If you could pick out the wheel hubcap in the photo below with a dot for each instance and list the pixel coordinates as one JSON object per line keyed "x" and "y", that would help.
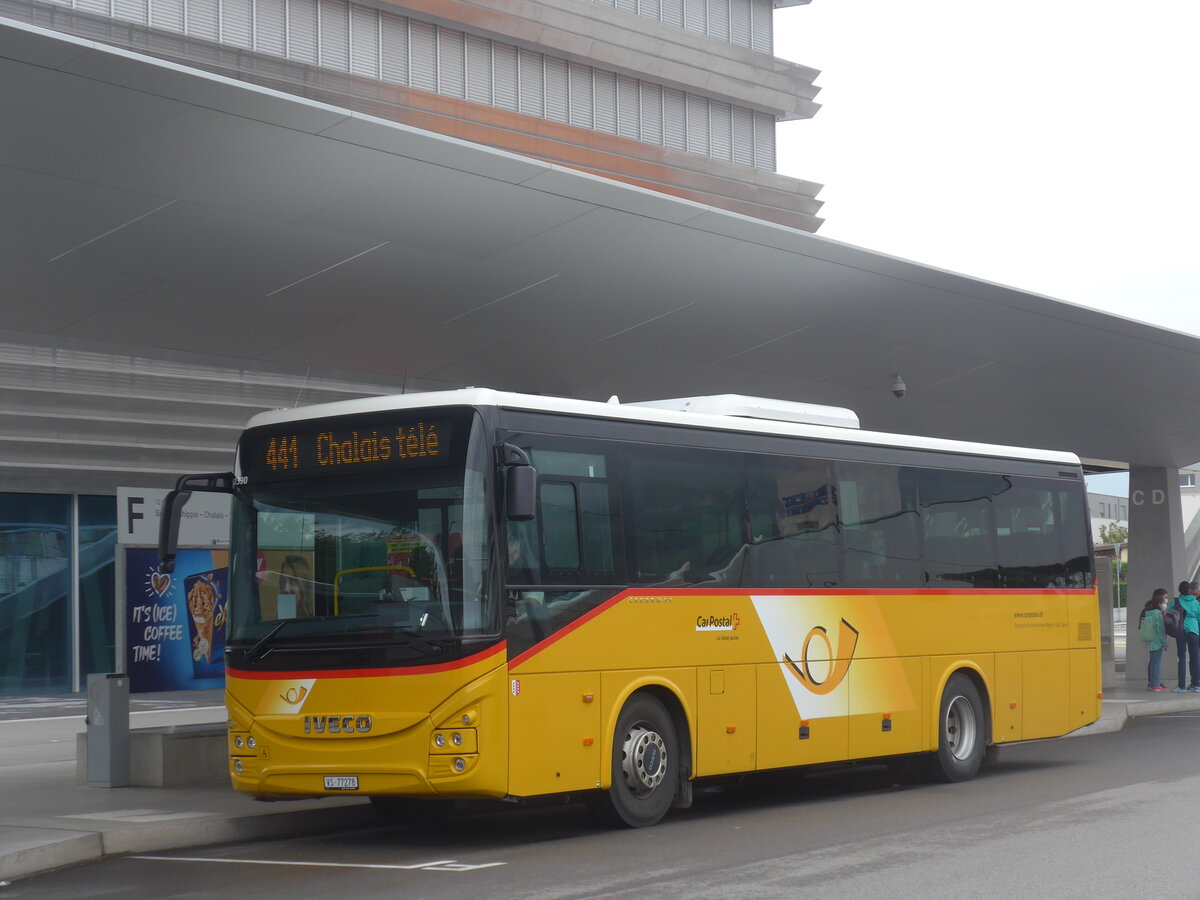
{"x": 961, "y": 728}
{"x": 643, "y": 759}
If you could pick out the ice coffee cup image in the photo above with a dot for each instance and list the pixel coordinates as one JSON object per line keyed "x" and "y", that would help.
{"x": 206, "y": 615}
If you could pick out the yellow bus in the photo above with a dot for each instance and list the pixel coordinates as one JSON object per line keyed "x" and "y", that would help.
{"x": 476, "y": 594}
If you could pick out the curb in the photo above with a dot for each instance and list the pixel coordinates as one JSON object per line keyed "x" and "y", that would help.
{"x": 1117, "y": 713}
{"x": 1162, "y": 706}
{"x": 1108, "y": 723}
{"x": 44, "y": 849}
{"x": 48, "y": 849}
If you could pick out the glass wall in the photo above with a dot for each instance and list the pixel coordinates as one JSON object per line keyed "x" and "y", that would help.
{"x": 42, "y": 600}
{"x": 35, "y": 593}
{"x": 97, "y": 584}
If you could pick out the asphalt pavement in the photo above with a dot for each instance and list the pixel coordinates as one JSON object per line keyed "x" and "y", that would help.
{"x": 49, "y": 820}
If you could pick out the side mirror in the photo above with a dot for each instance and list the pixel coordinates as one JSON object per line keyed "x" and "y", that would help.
{"x": 519, "y": 492}
{"x": 520, "y": 486}
{"x": 168, "y": 528}
{"x": 172, "y": 508}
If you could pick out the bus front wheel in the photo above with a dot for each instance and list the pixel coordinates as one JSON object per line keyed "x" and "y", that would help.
{"x": 962, "y": 731}
{"x": 645, "y": 765}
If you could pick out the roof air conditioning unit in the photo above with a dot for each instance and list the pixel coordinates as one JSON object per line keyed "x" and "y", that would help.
{"x": 759, "y": 408}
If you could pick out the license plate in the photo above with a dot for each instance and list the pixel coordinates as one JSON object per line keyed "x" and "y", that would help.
{"x": 341, "y": 782}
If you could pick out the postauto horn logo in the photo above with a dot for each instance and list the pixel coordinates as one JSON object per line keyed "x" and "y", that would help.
{"x": 718, "y": 623}
{"x": 839, "y": 661}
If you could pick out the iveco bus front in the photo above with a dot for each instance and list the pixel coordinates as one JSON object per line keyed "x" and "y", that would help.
{"x": 364, "y": 651}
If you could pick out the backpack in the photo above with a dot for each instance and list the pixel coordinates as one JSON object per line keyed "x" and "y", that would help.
{"x": 1146, "y": 629}
{"x": 1173, "y": 620}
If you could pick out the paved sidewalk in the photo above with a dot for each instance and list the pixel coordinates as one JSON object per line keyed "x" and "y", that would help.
{"x": 48, "y": 820}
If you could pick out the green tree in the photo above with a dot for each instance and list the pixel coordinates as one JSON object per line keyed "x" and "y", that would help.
{"x": 1114, "y": 534}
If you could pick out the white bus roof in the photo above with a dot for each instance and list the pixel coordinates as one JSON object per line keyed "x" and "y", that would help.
{"x": 752, "y": 418}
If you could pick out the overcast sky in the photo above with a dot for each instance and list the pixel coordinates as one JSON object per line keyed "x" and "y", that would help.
{"x": 1049, "y": 145}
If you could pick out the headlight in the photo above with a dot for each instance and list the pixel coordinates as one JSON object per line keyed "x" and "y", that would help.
{"x": 251, "y": 743}
{"x": 439, "y": 740}
{"x": 460, "y": 764}
{"x": 237, "y": 766}
{"x": 237, "y": 742}
{"x": 456, "y": 739}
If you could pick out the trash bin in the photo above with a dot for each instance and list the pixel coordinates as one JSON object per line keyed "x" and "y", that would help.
{"x": 107, "y": 730}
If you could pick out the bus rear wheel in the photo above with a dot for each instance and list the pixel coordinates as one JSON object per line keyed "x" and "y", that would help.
{"x": 962, "y": 731}
{"x": 645, "y": 765}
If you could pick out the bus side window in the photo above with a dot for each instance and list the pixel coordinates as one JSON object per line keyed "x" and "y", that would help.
{"x": 574, "y": 538}
{"x": 1074, "y": 535}
{"x": 793, "y": 524}
{"x": 686, "y": 511}
{"x": 559, "y": 508}
{"x": 879, "y": 522}
{"x": 957, "y": 526}
{"x": 1027, "y": 540}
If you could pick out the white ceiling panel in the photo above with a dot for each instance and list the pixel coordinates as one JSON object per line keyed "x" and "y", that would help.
{"x": 598, "y": 191}
{"x": 406, "y": 344}
{"x": 235, "y": 163}
{"x": 219, "y": 248}
{"x": 812, "y": 353}
{"x": 425, "y": 284}
{"x": 476, "y": 216}
{"x": 54, "y": 121}
{"x": 46, "y": 298}
{"x": 207, "y": 320}
{"x": 923, "y": 369}
{"x": 172, "y": 211}
{"x": 60, "y": 213}
{"x": 411, "y": 143}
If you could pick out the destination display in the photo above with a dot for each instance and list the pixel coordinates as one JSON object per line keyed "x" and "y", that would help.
{"x": 325, "y": 448}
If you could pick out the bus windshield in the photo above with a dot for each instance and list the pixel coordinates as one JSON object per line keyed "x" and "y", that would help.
{"x": 380, "y": 558}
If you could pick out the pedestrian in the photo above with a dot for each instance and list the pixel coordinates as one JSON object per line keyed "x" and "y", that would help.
{"x": 1152, "y": 630}
{"x": 1188, "y": 643}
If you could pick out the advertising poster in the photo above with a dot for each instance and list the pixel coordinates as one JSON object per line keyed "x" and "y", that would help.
{"x": 176, "y": 623}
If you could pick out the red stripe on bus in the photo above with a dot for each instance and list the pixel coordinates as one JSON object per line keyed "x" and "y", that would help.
{"x": 878, "y": 592}
{"x": 547, "y": 642}
{"x": 500, "y": 648}
{"x": 567, "y": 629}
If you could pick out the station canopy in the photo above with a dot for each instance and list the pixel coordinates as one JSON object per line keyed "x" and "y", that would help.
{"x": 159, "y": 208}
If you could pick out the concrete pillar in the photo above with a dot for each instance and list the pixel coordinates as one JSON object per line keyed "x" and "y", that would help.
{"x": 1156, "y": 558}
{"x": 1104, "y": 588}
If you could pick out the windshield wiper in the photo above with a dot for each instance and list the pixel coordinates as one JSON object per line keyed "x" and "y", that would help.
{"x": 415, "y": 636}
{"x": 412, "y": 634}
{"x": 260, "y": 646}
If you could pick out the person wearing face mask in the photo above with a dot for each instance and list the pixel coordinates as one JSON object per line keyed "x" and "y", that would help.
{"x": 1189, "y": 641}
{"x": 1151, "y": 629}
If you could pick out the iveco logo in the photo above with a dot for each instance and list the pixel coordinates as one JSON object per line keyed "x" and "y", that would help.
{"x": 337, "y": 724}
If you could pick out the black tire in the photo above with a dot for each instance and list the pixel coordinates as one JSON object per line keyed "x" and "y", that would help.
{"x": 963, "y": 732}
{"x": 645, "y": 765}
{"x": 414, "y": 813}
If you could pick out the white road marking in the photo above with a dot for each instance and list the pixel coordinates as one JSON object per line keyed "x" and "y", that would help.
{"x": 440, "y": 865}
